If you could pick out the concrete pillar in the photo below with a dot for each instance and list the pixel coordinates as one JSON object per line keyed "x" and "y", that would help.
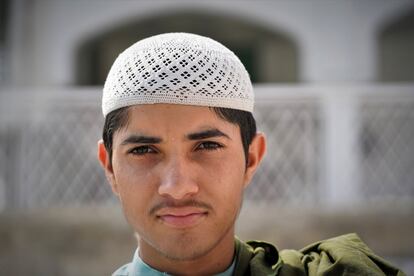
{"x": 341, "y": 145}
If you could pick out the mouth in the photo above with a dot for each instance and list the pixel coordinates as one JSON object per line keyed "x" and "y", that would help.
{"x": 181, "y": 217}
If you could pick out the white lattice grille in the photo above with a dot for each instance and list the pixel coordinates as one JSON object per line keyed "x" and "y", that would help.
{"x": 3, "y": 168}
{"x": 48, "y": 151}
{"x": 289, "y": 172}
{"x": 10, "y": 138}
{"x": 387, "y": 147}
{"x": 59, "y": 165}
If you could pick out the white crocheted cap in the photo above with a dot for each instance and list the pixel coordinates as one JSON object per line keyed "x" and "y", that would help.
{"x": 178, "y": 68}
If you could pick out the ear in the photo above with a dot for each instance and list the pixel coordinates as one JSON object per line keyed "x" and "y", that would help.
{"x": 103, "y": 157}
{"x": 257, "y": 150}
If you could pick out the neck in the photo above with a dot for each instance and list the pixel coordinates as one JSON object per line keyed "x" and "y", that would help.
{"x": 214, "y": 261}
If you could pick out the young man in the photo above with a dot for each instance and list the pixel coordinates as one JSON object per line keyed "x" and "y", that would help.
{"x": 179, "y": 148}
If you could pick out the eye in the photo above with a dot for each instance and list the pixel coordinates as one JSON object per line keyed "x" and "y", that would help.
{"x": 208, "y": 145}
{"x": 141, "y": 150}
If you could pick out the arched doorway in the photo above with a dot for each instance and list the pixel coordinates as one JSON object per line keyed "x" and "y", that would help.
{"x": 396, "y": 49}
{"x": 269, "y": 56}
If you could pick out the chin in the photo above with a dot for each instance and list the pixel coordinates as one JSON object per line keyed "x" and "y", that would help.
{"x": 186, "y": 248}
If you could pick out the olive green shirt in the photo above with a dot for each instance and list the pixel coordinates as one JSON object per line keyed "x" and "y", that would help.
{"x": 343, "y": 255}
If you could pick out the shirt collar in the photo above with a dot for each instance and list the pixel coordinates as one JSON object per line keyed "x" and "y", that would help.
{"x": 139, "y": 267}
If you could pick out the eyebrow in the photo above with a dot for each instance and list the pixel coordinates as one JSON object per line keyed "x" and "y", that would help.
{"x": 209, "y": 133}
{"x": 141, "y": 139}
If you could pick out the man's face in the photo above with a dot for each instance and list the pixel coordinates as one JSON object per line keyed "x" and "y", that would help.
{"x": 180, "y": 173}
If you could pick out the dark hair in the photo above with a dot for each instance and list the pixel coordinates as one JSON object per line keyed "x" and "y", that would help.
{"x": 244, "y": 119}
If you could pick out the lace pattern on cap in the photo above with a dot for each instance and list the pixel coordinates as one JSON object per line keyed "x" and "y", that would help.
{"x": 178, "y": 68}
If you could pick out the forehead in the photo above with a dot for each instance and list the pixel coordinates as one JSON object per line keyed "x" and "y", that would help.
{"x": 174, "y": 117}
{"x": 156, "y": 112}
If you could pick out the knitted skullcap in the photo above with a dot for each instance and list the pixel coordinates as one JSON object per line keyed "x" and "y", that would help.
{"x": 178, "y": 68}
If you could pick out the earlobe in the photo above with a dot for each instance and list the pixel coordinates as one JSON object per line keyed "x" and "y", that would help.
{"x": 257, "y": 150}
{"x": 103, "y": 157}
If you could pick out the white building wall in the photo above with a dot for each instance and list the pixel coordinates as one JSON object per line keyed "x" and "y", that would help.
{"x": 336, "y": 39}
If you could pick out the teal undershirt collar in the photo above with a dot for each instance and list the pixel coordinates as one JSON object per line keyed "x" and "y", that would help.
{"x": 138, "y": 267}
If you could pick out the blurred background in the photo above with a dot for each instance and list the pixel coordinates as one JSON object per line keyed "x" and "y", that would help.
{"x": 334, "y": 84}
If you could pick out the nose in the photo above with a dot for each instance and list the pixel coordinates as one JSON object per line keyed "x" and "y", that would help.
{"x": 177, "y": 181}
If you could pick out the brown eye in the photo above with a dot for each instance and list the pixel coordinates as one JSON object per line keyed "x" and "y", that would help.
{"x": 208, "y": 145}
{"x": 141, "y": 150}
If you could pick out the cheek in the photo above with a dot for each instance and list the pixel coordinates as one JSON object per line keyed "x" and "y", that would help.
{"x": 136, "y": 191}
{"x": 136, "y": 183}
{"x": 130, "y": 170}
{"x": 224, "y": 175}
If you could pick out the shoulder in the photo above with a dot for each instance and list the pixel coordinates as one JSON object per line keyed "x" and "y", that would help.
{"x": 342, "y": 255}
{"x": 256, "y": 258}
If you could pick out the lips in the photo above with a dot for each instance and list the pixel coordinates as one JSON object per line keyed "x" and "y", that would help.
{"x": 183, "y": 217}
